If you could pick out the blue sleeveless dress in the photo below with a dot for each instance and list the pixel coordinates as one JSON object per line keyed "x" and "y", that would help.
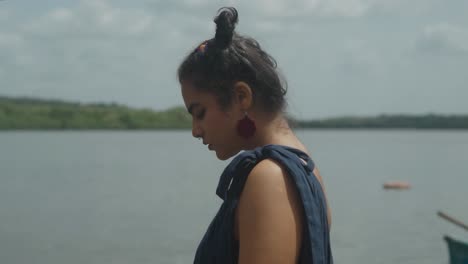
{"x": 219, "y": 245}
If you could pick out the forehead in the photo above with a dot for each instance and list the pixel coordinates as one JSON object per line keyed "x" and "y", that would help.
{"x": 193, "y": 95}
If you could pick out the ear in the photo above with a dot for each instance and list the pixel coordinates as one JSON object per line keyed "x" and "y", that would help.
{"x": 243, "y": 95}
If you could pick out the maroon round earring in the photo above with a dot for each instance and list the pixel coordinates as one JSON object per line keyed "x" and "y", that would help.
{"x": 246, "y": 127}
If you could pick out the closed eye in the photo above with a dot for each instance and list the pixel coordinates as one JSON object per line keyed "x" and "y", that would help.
{"x": 200, "y": 114}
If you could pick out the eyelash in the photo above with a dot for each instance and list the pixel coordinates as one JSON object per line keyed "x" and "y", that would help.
{"x": 201, "y": 114}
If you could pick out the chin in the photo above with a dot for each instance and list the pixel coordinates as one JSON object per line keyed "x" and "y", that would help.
{"x": 221, "y": 156}
{"x": 225, "y": 155}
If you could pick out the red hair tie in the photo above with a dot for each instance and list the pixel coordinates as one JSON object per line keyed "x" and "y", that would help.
{"x": 202, "y": 47}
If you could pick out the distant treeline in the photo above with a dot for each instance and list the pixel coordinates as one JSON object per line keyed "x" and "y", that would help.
{"x": 39, "y": 114}
{"x": 429, "y": 121}
{"x": 31, "y": 113}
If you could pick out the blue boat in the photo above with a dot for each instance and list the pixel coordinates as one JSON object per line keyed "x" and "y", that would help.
{"x": 458, "y": 251}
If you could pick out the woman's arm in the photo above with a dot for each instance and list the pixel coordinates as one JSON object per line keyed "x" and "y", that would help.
{"x": 269, "y": 217}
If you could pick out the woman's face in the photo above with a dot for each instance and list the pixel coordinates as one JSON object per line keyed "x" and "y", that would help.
{"x": 217, "y": 128}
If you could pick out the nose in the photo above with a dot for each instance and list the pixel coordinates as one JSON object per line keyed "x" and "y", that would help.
{"x": 196, "y": 131}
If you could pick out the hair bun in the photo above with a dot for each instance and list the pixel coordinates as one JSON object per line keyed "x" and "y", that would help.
{"x": 226, "y": 21}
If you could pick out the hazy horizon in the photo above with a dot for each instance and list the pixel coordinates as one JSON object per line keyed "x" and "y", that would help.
{"x": 181, "y": 105}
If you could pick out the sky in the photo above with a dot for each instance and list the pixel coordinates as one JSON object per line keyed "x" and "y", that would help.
{"x": 339, "y": 57}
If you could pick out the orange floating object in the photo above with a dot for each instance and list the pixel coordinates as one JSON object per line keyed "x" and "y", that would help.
{"x": 400, "y": 185}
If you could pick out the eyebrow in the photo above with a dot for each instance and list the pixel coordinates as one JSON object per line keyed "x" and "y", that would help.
{"x": 192, "y": 106}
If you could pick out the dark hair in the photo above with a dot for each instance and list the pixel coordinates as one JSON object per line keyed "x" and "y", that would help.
{"x": 218, "y": 63}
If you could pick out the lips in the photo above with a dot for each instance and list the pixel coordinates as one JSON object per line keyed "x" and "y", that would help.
{"x": 210, "y": 147}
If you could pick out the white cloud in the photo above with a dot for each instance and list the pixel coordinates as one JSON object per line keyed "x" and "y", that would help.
{"x": 61, "y": 14}
{"x": 443, "y": 38}
{"x": 195, "y": 3}
{"x": 10, "y": 40}
{"x": 3, "y": 14}
{"x": 271, "y": 26}
{"x": 280, "y": 8}
{"x": 293, "y": 8}
{"x": 346, "y": 8}
{"x": 91, "y": 17}
{"x": 91, "y": 50}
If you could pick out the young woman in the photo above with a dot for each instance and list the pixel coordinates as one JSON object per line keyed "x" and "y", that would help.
{"x": 274, "y": 208}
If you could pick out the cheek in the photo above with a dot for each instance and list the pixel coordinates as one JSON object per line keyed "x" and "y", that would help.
{"x": 229, "y": 126}
{"x": 222, "y": 130}
{"x": 220, "y": 121}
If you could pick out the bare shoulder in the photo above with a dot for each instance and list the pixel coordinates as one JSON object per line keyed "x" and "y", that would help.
{"x": 269, "y": 187}
{"x": 269, "y": 216}
{"x": 267, "y": 172}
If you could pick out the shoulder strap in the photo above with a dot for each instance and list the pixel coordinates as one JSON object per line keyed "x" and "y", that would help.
{"x": 240, "y": 167}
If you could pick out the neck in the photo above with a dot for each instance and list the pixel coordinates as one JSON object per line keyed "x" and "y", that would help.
{"x": 274, "y": 130}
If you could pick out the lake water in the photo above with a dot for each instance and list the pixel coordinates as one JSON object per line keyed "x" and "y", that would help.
{"x": 147, "y": 197}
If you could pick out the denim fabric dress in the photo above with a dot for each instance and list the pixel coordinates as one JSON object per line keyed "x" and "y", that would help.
{"x": 219, "y": 245}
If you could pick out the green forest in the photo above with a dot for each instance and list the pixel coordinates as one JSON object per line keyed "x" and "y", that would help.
{"x": 428, "y": 121}
{"x": 31, "y": 113}
{"x": 40, "y": 114}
